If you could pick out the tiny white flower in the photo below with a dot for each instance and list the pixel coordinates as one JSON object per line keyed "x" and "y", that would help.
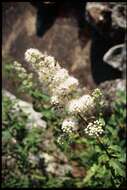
{"x": 68, "y": 86}
{"x": 31, "y": 55}
{"x": 54, "y": 100}
{"x": 49, "y": 59}
{"x": 60, "y": 76}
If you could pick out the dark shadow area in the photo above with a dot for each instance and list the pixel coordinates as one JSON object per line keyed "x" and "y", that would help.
{"x": 102, "y": 71}
{"x": 48, "y": 12}
{"x": 103, "y": 39}
{"x": 46, "y": 15}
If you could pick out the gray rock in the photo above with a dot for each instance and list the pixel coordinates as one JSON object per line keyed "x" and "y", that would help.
{"x": 53, "y": 166}
{"x": 34, "y": 118}
{"x": 95, "y": 10}
{"x": 110, "y": 89}
{"x": 116, "y": 57}
{"x": 119, "y": 15}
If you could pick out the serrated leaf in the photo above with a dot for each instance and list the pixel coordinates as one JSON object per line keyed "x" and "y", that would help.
{"x": 101, "y": 171}
{"x": 122, "y": 157}
{"x": 118, "y": 167}
{"x": 116, "y": 148}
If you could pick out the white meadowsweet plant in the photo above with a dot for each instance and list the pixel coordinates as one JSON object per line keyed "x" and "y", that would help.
{"x": 63, "y": 90}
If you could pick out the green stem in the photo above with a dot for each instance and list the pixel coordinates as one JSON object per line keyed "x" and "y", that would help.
{"x": 84, "y": 121}
{"x": 110, "y": 156}
{"x": 101, "y": 143}
{"x": 104, "y": 148}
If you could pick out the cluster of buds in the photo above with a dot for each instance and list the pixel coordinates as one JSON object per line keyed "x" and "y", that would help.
{"x": 63, "y": 89}
{"x": 97, "y": 97}
{"x": 23, "y": 75}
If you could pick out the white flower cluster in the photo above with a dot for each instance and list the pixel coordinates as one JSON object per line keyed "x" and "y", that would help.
{"x": 55, "y": 100}
{"x": 81, "y": 105}
{"x": 18, "y": 67}
{"x": 70, "y": 125}
{"x": 60, "y": 76}
{"x": 63, "y": 89}
{"x": 57, "y": 80}
{"x": 94, "y": 128}
{"x": 23, "y": 75}
{"x": 32, "y": 55}
{"x": 44, "y": 65}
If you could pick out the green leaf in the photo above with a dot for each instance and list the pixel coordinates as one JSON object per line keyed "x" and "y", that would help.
{"x": 102, "y": 121}
{"x": 48, "y": 114}
{"x": 122, "y": 157}
{"x": 118, "y": 167}
{"x": 6, "y": 136}
{"x": 101, "y": 171}
{"x": 115, "y": 148}
{"x": 39, "y": 95}
{"x": 91, "y": 172}
{"x": 103, "y": 158}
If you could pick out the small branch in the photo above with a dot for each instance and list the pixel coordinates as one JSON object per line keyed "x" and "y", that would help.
{"x": 110, "y": 156}
{"x": 84, "y": 121}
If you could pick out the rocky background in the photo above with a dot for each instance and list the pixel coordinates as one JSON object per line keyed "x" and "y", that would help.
{"x": 77, "y": 34}
{"x": 62, "y": 39}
